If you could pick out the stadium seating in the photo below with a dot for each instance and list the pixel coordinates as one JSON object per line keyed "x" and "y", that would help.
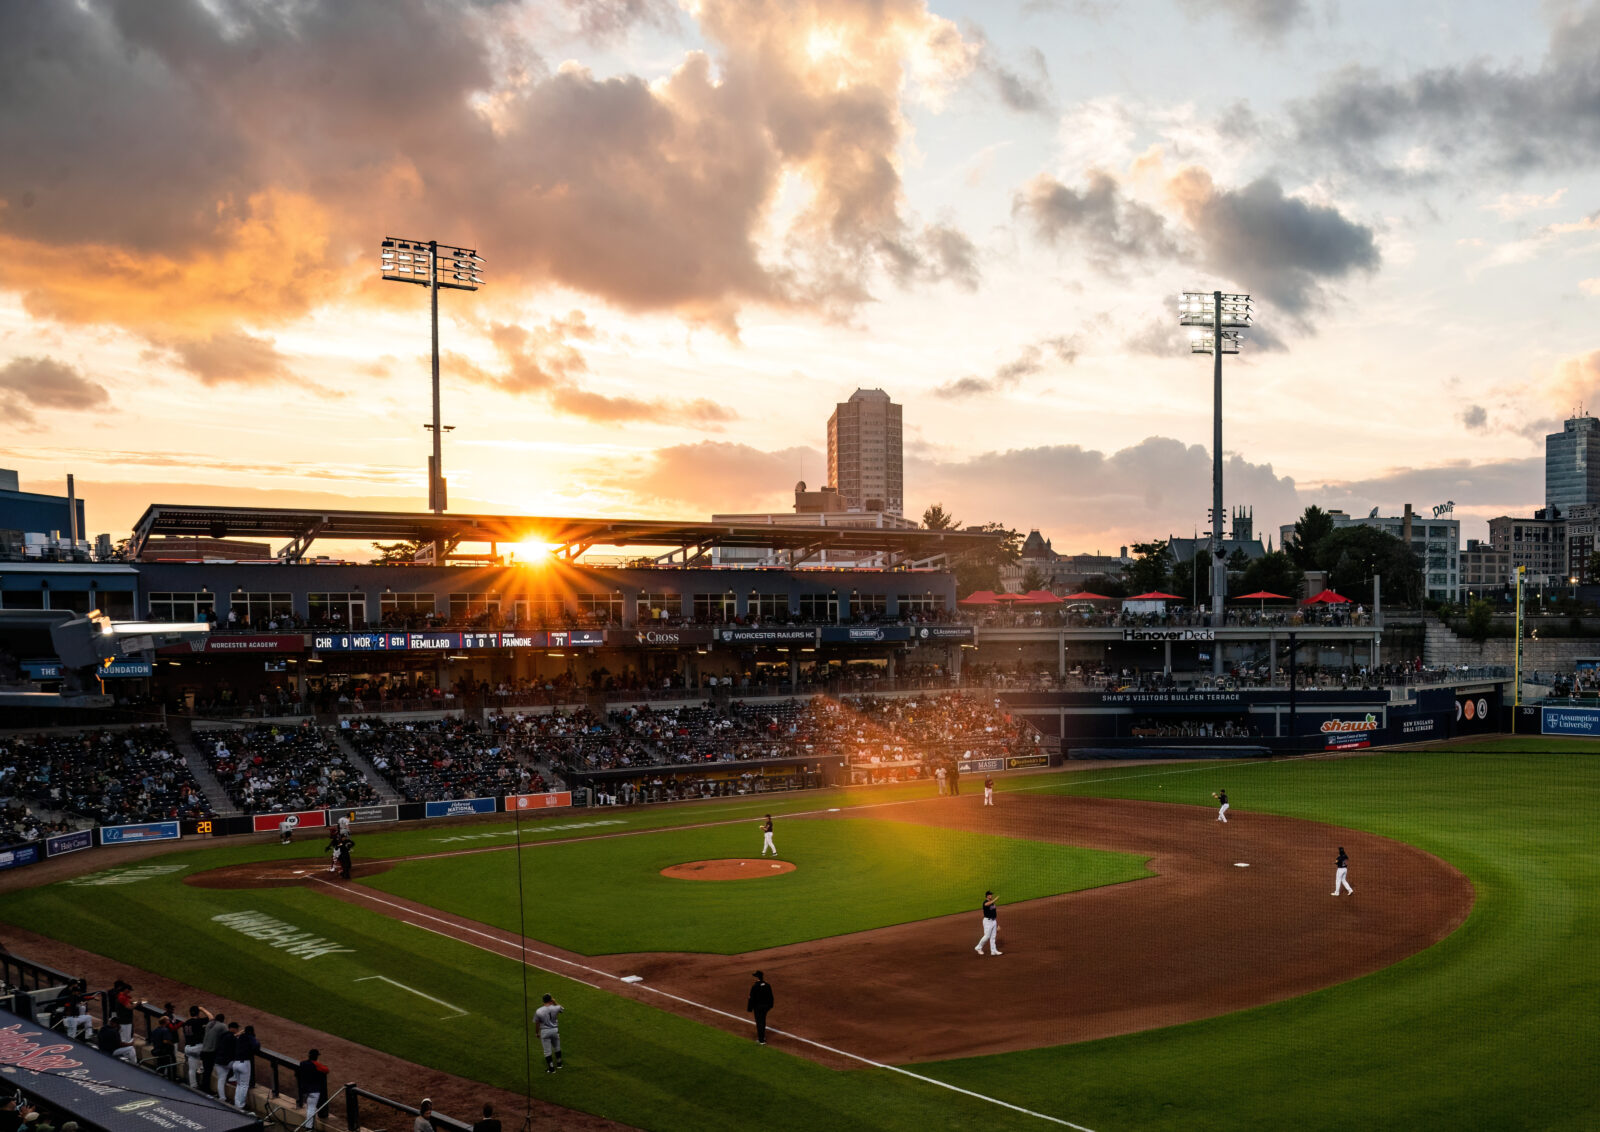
{"x": 439, "y": 759}
{"x": 275, "y": 767}
{"x": 114, "y": 777}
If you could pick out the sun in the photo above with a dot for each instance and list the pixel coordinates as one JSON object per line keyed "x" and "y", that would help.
{"x": 531, "y": 551}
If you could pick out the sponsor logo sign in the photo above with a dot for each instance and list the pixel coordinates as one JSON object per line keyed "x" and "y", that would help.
{"x": 576, "y": 638}
{"x": 657, "y": 638}
{"x": 1348, "y": 742}
{"x": 276, "y": 933}
{"x": 1169, "y": 634}
{"x": 360, "y": 814}
{"x": 943, "y": 633}
{"x": 271, "y": 823}
{"x": 1470, "y": 709}
{"x": 538, "y": 801}
{"x": 16, "y": 1049}
{"x": 784, "y": 635}
{"x": 1417, "y": 726}
{"x": 1339, "y": 726}
{"x": 1569, "y": 721}
{"x": 111, "y": 877}
{"x": 139, "y": 831}
{"x": 866, "y": 634}
{"x": 544, "y": 827}
{"x": 979, "y": 766}
{"x": 68, "y": 842}
{"x": 243, "y": 642}
{"x": 51, "y": 669}
{"x": 461, "y": 807}
{"x": 21, "y": 855}
{"x": 1017, "y": 761}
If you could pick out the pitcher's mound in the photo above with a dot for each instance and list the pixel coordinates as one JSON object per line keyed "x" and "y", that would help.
{"x": 734, "y": 868}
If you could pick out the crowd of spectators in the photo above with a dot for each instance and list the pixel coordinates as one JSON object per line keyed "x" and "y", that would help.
{"x": 113, "y": 777}
{"x": 273, "y": 767}
{"x": 439, "y": 759}
{"x": 19, "y": 825}
{"x": 568, "y": 741}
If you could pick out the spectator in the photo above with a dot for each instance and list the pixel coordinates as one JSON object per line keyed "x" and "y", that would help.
{"x": 311, "y": 1080}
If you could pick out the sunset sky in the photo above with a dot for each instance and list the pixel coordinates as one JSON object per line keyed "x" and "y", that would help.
{"x": 705, "y": 223}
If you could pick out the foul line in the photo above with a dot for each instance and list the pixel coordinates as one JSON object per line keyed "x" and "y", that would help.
{"x": 413, "y": 990}
{"x": 686, "y": 1001}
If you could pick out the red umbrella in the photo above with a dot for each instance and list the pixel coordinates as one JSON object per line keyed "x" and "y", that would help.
{"x": 1085, "y": 595}
{"x": 1327, "y": 597}
{"x": 980, "y": 597}
{"x": 1263, "y": 595}
{"x": 1041, "y": 597}
{"x": 1009, "y": 597}
{"x": 1154, "y": 595}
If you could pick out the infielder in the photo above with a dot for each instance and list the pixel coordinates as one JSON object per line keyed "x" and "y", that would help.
{"x": 549, "y": 1033}
{"x": 988, "y": 790}
{"x": 991, "y": 926}
{"x": 1222, "y": 814}
{"x": 1341, "y": 873}
{"x": 766, "y": 837}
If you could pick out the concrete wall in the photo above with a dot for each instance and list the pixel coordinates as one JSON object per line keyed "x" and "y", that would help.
{"x": 1555, "y": 654}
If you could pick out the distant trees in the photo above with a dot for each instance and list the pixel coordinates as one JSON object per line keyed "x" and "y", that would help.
{"x": 1151, "y": 569}
{"x": 1273, "y": 573}
{"x": 936, "y": 518}
{"x": 1032, "y": 579}
{"x": 981, "y": 571}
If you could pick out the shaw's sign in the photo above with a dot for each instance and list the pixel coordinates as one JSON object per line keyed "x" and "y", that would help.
{"x": 1331, "y": 726}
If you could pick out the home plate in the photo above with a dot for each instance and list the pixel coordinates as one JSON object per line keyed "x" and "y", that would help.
{"x": 633, "y": 978}
{"x": 1241, "y": 864}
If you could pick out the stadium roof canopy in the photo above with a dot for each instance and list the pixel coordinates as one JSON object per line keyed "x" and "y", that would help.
{"x": 686, "y": 542}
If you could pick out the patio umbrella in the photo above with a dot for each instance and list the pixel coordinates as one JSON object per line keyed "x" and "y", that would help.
{"x": 1009, "y": 597}
{"x": 1041, "y": 597}
{"x": 1263, "y": 596}
{"x": 1085, "y": 595}
{"x": 1155, "y": 595}
{"x": 980, "y": 597}
{"x": 1327, "y": 597}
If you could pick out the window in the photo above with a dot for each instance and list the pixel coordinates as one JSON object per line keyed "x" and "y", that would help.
{"x": 714, "y": 607}
{"x": 75, "y": 600}
{"x": 537, "y": 609}
{"x": 258, "y": 607}
{"x": 403, "y": 607}
{"x": 864, "y": 605}
{"x": 24, "y": 599}
{"x": 176, "y": 606}
{"x": 602, "y": 608}
{"x": 659, "y": 607}
{"x": 469, "y": 607}
{"x": 349, "y": 610}
{"x": 920, "y": 603}
{"x": 818, "y": 607}
{"x": 769, "y": 607}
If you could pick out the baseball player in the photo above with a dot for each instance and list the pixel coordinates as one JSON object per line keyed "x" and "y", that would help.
{"x": 991, "y": 926}
{"x": 1222, "y": 797}
{"x": 988, "y": 790}
{"x": 1341, "y": 873}
{"x": 766, "y": 837}
{"x": 549, "y": 1033}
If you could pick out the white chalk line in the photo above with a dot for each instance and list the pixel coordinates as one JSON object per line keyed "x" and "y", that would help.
{"x": 686, "y": 1001}
{"x": 415, "y": 991}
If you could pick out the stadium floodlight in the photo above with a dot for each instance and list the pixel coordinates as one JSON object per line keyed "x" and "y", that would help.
{"x": 431, "y": 264}
{"x": 1219, "y": 320}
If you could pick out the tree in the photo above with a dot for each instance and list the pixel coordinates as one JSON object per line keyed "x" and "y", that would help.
{"x": 1592, "y": 568}
{"x": 1150, "y": 570}
{"x": 404, "y": 551}
{"x": 1480, "y": 615}
{"x": 1309, "y": 531}
{"x": 1273, "y": 573}
{"x": 1032, "y": 579}
{"x": 1352, "y": 555}
{"x": 1238, "y": 561}
{"x": 980, "y": 570}
{"x": 936, "y": 518}
{"x": 1192, "y": 579}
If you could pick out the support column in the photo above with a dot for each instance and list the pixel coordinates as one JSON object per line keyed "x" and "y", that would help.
{"x": 1061, "y": 651}
{"x": 1166, "y": 660}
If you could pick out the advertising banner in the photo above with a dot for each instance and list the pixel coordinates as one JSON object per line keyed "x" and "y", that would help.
{"x": 51, "y": 669}
{"x": 774, "y": 635}
{"x": 299, "y": 819}
{"x": 576, "y": 638}
{"x": 141, "y": 831}
{"x": 19, "y": 856}
{"x": 68, "y": 842}
{"x": 1169, "y": 634}
{"x": 980, "y": 766}
{"x": 1016, "y": 762}
{"x": 865, "y": 634}
{"x": 538, "y": 801}
{"x": 242, "y": 642}
{"x": 1476, "y": 714}
{"x": 646, "y": 637}
{"x": 460, "y": 807}
{"x": 943, "y": 633}
{"x": 1569, "y": 721}
{"x": 359, "y": 815}
{"x": 1414, "y": 728}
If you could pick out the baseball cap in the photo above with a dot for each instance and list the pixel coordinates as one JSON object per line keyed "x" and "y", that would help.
{"x": 759, "y": 975}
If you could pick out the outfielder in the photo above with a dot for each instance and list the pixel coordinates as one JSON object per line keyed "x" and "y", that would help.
{"x": 766, "y": 837}
{"x": 549, "y": 1033}
{"x": 988, "y": 790}
{"x": 1222, "y": 814}
{"x": 991, "y": 926}
{"x": 1341, "y": 873}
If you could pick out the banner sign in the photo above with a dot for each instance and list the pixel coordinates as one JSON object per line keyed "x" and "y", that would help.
{"x": 576, "y": 638}
{"x": 865, "y": 634}
{"x": 68, "y": 842}
{"x": 656, "y": 638}
{"x": 460, "y": 807}
{"x": 1169, "y": 634}
{"x": 776, "y": 635}
{"x": 1569, "y": 721}
{"x": 538, "y": 801}
{"x": 242, "y": 642}
{"x": 140, "y": 831}
{"x": 1016, "y": 762}
{"x": 1172, "y": 699}
{"x": 1475, "y": 714}
{"x": 19, "y": 856}
{"x": 943, "y": 633}
{"x": 299, "y": 819}
{"x": 359, "y": 815}
{"x": 428, "y": 642}
{"x": 1348, "y": 742}
{"x": 1346, "y": 726}
{"x": 979, "y": 766}
{"x": 51, "y": 669}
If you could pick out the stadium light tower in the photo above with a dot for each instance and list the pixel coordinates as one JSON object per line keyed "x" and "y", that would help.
{"x": 433, "y": 265}
{"x": 1220, "y": 321}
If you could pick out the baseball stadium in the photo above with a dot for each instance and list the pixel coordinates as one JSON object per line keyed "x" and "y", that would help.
{"x": 561, "y": 784}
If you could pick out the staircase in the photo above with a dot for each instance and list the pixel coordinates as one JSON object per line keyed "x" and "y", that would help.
{"x": 183, "y": 736}
{"x": 387, "y": 794}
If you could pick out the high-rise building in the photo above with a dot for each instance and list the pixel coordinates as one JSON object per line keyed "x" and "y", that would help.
{"x": 865, "y": 461}
{"x": 1572, "y": 464}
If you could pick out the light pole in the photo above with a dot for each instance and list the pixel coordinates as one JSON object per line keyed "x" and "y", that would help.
{"x": 418, "y": 261}
{"x": 1224, "y": 318}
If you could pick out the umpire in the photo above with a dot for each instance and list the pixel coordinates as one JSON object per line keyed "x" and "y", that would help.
{"x": 760, "y": 1002}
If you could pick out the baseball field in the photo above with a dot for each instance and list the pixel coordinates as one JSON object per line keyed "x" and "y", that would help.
{"x": 1160, "y": 969}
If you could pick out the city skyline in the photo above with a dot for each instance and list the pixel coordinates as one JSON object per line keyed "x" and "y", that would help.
{"x": 706, "y": 225}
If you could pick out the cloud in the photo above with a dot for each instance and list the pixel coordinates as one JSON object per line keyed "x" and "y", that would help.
{"x": 1450, "y": 120}
{"x": 28, "y": 383}
{"x": 1026, "y": 94}
{"x": 1475, "y": 418}
{"x": 1590, "y": 286}
{"x": 606, "y": 21}
{"x": 231, "y": 356}
{"x": 193, "y": 165}
{"x": 1267, "y": 20}
{"x": 717, "y": 476}
{"x": 1487, "y": 488}
{"x": 1030, "y": 360}
{"x": 1111, "y": 225}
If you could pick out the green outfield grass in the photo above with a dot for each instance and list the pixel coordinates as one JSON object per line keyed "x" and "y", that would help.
{"x": 607, "y": 895}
